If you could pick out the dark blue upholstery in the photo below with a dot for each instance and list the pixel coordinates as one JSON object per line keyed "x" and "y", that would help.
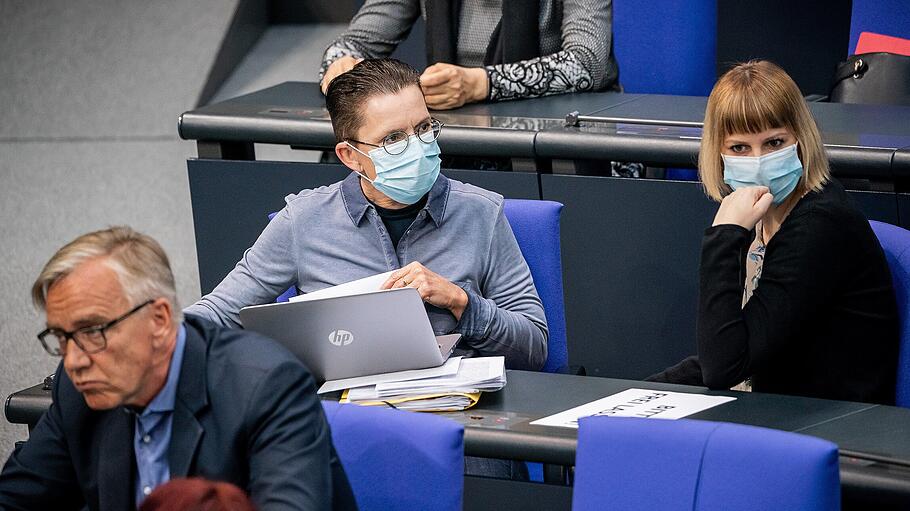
{"x": 888, "y": 17}
{"x": 536, "y": 227}
{"x": 896, "y": 244}
{"x": 681, "y": 174}
{"x": 666, "y": 46}
{"x": 399, "y": 460}
{"x": 647, "y": 464}
{"x": 287, "y": 295}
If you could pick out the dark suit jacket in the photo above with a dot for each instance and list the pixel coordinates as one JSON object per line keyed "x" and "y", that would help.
{"x": 246, "y": 412}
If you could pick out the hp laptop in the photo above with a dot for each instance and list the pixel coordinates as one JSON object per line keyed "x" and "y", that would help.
{"x": 355, "y": 335}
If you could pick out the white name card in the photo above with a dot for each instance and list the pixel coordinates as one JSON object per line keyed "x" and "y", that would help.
{"x": 652, "y": 404}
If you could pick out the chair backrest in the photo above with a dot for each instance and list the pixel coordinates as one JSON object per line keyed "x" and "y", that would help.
{"x": 398, "y": 460}
{"x": 896, "y": 245}
{"x": 536, "y": 227}
{"x": 888, "y": 17}
{"x": 666, "y": 46}
{"x": 646, "y": 464}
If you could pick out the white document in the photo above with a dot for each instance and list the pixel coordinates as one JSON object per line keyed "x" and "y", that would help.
{"x": 355, "y": 287}
{"x": 449, "y": 368}
{"x": 656, "y": 404}
{"x": 474, "y": 375}
{"x": 481, "y": 374}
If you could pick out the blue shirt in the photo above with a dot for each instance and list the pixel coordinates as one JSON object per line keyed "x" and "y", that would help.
{"x": 152, "y": 436}
{"x": 333, "y": 234}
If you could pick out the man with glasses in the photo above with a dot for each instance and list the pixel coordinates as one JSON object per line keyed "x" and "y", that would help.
{"x": 395, "y": 211}
{"x": 143, "y": 395}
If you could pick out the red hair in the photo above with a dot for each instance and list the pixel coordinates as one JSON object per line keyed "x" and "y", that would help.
{"x": 197, "y": 494}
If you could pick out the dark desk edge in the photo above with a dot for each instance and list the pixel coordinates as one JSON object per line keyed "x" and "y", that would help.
{"x": 204, "y": 127}
{"x": 868, "y": 477}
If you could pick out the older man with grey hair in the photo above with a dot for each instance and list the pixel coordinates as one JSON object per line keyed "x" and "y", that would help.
{"x": 143, "y": 395}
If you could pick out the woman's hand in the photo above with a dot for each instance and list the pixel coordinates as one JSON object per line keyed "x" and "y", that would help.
{"x": 446, "y": 86}
{"x": 744, "y": 207}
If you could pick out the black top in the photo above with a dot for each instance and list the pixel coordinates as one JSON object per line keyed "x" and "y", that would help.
{"x": 397, "y": 221}
{"x": 823, "y": 320}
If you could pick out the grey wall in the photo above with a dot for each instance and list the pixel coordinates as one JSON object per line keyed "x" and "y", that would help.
{"x": 90, "y": 91}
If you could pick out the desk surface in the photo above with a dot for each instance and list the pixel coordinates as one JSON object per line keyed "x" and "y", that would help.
{"x": 303, "y": 101}
{"x": 859, "y": 428}
{"x": 861, "y": 139}
{"x": 874, "y": 440}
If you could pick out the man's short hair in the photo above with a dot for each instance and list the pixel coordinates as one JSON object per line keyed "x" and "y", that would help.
{"x": 138, "y": 260}
{"x": 348, "y": 91}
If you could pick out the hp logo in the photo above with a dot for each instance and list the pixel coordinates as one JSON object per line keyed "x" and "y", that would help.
{"x": 341, "y": 337}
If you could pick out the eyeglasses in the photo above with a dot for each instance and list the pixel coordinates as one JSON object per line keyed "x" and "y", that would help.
{"x": 90, "y": 339}
{"x": 396, "y": 142}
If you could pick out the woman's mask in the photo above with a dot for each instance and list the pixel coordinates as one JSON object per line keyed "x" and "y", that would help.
{"x": 780, "y": 171}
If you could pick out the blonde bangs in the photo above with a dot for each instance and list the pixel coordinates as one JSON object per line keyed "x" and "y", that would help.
{"x": 750, "y": 111}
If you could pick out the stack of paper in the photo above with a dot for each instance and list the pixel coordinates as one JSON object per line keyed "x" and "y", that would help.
{"x": 451, "y": 402}
{"x": 448, "y": 392}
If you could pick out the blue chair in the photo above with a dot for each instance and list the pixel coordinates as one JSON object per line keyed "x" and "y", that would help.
{"x": 896, "y": 245}
{"x": 666, "y": 46}
{"x": 287, "y": 295}
{"x": 536, "y": 227}
{"x": 888, "y": 17}
{"x": 647, "y": 464}
{"x": 398, "y": 460}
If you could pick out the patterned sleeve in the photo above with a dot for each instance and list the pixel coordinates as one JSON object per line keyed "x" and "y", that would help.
{"x": 583, "y": 63}
{"x": 376, "y": 30}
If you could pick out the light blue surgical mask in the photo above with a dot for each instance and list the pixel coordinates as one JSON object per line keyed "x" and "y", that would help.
{"x": 779, "y": 171}
{"x": 408, "y": 176}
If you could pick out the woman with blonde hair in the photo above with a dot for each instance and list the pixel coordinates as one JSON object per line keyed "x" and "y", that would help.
{"x": 795, "y": 295}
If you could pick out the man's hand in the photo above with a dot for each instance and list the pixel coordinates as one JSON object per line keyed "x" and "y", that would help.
{"x": 744, "y": 207}
{"x": 446, "y": 86}
{"x": 341, "y": 65}
{"x": 432, "y": 288}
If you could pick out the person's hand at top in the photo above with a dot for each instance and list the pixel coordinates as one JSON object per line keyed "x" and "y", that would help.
{"x": 744, "y": 207}
{"x": 447, "y": 86}
{"x": 341, "y": 65}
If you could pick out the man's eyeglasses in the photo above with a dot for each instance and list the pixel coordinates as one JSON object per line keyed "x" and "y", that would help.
{"x": 396, "y": 142}
{"x": 90, "y": 339}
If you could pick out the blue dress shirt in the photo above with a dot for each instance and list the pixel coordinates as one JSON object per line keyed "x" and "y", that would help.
{"x": 153, "y": 429}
